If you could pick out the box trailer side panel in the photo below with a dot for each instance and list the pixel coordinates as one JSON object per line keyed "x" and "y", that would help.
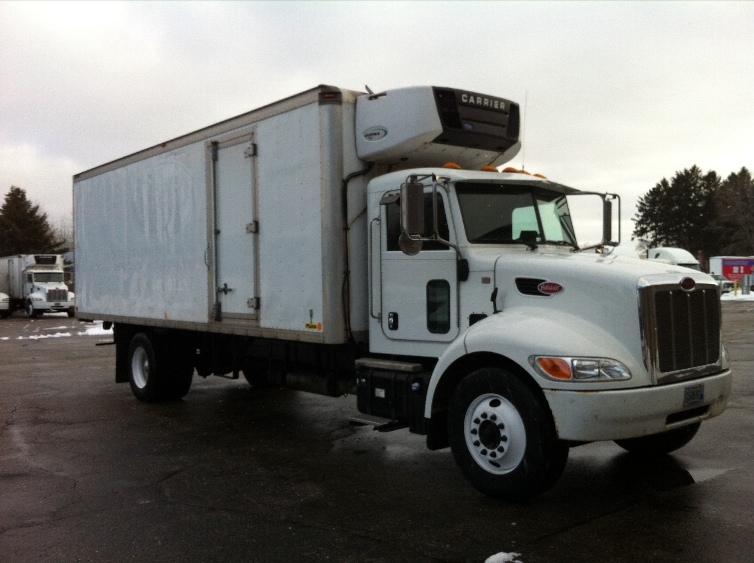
{"x": 5, "y": 275}
{"x": 236, "y": 232}
{"x": 299, "y": 220}
{"x": 143, "y": 230}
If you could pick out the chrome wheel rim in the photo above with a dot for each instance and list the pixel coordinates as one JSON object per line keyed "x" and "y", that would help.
{"x": 140, "y": 367}
{"x": 495, "y": 434}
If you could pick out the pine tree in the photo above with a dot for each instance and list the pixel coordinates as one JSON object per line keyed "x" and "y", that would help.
{"x": 24, "y": 229}
{"x": 680, "y": 212}
{"x": 735, "y": 214}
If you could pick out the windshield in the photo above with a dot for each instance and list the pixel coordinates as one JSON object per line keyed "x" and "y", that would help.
{"x": 509, "y": 213}
{"x": 48, "y": 277}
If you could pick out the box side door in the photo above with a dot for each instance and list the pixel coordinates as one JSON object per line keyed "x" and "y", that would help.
{"x": 234, "y": 228}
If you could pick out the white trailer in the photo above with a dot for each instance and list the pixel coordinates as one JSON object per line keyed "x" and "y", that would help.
{"x": 35, "y": 282}
{"x": 676, "y": 256}
{"x": 326, "y": 241}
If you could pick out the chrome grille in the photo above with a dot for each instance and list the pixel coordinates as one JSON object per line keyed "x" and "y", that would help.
{"x": 681, "y": 331}
{"x": 57, "y": 295}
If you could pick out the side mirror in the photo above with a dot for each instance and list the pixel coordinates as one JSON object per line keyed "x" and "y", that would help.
{"x": 412, "y": 218}
{"x": 607, "y": 220}
{"x": 412, "y": 209}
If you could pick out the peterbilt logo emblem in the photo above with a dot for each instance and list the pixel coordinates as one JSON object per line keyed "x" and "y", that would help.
{"x": 375, "y": 133}
{"x": 550, "y": 288}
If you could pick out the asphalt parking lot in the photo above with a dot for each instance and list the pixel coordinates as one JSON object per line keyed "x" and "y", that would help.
{"x": 87, "y": 473}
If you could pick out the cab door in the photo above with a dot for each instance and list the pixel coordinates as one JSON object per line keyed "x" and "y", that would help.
{"x": 419, "y": 293}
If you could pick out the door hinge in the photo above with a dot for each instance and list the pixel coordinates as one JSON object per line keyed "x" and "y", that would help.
{"x": 252, "y": 227}
{"x": 250, "y": 151}
{"x": 253, "y": 302}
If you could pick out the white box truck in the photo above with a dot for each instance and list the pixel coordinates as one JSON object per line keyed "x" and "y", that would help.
{"x": 35, "y": 282}
{"x": 337, "y": 239}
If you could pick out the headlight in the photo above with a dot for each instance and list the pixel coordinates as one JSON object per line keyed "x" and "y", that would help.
{"x": 580, "y": 369}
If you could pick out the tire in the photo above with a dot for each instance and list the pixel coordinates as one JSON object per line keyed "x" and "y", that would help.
{"x": 4, "y": 314}
{"x": 33, "y": 313}
{"x": 143, "y": 369}
{"x": 660, "y": 444}
{"x": 180, "y": 368}
{"x": 255, "y": 373}
{"x": 502, "y": 436}
{"x": 159, "y": 369}
{"x": 71, "y": 313}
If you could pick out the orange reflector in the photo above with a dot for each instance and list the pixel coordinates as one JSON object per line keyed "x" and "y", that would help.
{"x": 452, "y": 165}
{"x": 541, "y": 176}
{"x": 557, "y": 368}
{"x": 516, "y": 171}
{"x": 488, "y": 168}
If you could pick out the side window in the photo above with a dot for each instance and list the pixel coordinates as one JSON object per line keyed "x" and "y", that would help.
{"x": 393, "y": 212}
{"x": 438, "y": 306}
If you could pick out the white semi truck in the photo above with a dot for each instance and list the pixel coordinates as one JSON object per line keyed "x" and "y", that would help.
{"x": 337, "y": 239}
{"x": 36, "y": 283}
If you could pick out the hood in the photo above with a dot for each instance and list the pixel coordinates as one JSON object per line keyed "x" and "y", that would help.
{"x": 600, "y": 290}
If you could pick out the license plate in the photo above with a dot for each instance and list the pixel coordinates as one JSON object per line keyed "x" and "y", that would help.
{"x": 693, "y": 395}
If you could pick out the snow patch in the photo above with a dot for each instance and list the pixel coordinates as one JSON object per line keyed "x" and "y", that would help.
{"x": 739, "y": 297}
{"x": 96, "y": 330}
{"x": 503, "y": 558}
{"x": 43, "y": 336}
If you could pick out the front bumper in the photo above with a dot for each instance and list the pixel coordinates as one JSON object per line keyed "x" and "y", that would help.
{"x": 57, "y": 306}
{"x": 629, "y": 413}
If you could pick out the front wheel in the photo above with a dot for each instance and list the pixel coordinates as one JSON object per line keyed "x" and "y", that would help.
{"x": 660, "y": 444}
{"x": 502, "y": 436}
{"x": 33, "y": 313}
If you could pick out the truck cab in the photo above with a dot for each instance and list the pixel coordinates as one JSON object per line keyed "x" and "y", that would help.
{"x": 481, "y": 270}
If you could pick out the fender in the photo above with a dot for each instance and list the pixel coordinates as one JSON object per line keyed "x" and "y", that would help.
{"x": 36, "y": 296}
{"x": 517, "y": 333}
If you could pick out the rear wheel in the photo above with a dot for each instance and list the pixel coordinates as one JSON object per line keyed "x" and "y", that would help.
{"x": 160, "y": 369}
{"x": 660, "y": 444}
{"x": 143, "y": 374}
{"x": 502, "y": 436}
{"x": 181, "y": 368}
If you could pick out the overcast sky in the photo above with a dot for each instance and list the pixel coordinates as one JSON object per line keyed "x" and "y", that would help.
{"x": 618, "y": 95}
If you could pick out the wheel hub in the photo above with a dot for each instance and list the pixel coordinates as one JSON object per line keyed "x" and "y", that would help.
{"x": 495, "y": 433}
{"x": 490, "y": 435}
